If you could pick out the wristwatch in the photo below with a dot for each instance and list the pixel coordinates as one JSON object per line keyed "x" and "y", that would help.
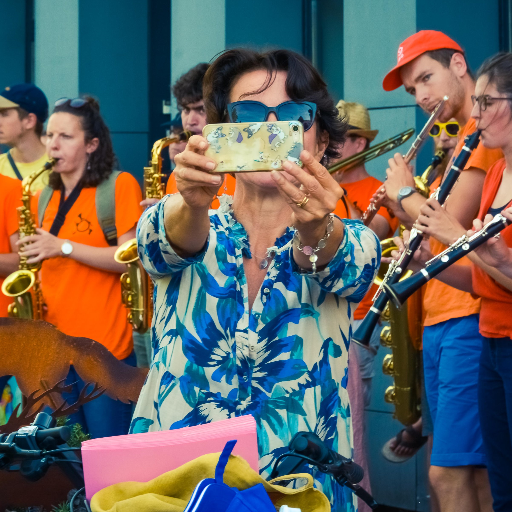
{"x": 66, "y": 248}
{"x": 403, "y": 193}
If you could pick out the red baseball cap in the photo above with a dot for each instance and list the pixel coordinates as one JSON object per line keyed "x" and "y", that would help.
{"x": 414, "y": 46}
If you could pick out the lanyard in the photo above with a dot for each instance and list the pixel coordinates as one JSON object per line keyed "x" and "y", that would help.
{"x": 64, "y": 207}
{"x": 14, "y": 166}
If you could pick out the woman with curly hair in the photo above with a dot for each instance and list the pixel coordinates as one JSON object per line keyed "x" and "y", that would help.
{"x": 254, "y": 301}
{"x": 76, "y": 245}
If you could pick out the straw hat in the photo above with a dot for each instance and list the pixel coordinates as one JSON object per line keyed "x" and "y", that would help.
{"x": 358, "y": 119}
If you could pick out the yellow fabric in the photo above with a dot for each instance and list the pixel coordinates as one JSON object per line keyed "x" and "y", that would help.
{"x": 25, "y": 169}
{"x": 171, "y": 491}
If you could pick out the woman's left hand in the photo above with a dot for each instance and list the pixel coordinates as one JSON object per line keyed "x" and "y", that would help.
{"x": 435, "y": 221}
{"x": 316, "y": 191}
{"x": 40, "y": 246}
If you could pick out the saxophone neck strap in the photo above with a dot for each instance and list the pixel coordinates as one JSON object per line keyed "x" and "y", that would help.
{"x": 105, "y": 206}
{"x": 65, "y": 205}
{"x": 14, "y": 166}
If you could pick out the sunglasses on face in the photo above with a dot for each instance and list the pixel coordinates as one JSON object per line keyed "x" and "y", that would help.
{"x": 451, "y": 128}
{"x": 485, "y": 101}
{"x": 75, "y": 103}
{"x": 256, "y": 112}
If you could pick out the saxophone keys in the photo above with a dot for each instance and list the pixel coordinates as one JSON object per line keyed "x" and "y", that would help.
{"x": 387, "y": 365}
{"x": 390, "y": 395}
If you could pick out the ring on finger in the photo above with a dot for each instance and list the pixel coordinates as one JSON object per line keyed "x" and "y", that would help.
{"x": 303, "y": 202}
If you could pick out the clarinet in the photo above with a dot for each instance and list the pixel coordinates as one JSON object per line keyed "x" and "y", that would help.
{"x": 398, "y": 293}
{"x": 396, "y": 268}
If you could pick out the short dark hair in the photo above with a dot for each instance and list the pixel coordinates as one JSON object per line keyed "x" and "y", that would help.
{"x": 102, "y": 161}
{"x": 38, "y": 128}
{"x": 498, "y": 70}
{"x": 444, "y": 57}
{"x": 303, "y": 83}
{"x": 189, "y": 87}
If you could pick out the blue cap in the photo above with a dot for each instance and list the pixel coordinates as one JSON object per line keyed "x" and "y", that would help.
{"x": 26, "y": 96}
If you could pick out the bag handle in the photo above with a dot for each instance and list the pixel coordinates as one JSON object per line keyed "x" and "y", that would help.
{"x": 223, "y": 460}
{"x": 296, "y": 476}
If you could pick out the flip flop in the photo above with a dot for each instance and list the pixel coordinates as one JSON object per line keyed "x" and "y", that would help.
{"x": 416, "y": 444}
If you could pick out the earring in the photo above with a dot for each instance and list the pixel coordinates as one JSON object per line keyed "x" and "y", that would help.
{"x": 89, "y": 162}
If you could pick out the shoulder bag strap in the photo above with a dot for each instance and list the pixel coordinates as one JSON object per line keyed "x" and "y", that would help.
{"x": 106, "y": 207}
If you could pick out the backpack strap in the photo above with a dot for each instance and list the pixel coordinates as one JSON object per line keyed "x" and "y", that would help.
{"x": 42, "y": 204}
{"x": 106, "y": 207}
{"x": 223, "y": 461}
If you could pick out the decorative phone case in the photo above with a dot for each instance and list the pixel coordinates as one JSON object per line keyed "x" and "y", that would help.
{"x": 246, "y": 147}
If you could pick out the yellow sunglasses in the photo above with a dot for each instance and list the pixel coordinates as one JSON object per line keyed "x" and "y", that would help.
{"x": 451, "y": 128}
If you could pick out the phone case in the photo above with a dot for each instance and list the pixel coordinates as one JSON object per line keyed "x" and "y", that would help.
{"x": 250, "y": 147}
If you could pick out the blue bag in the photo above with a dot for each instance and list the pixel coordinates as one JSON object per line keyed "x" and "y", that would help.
{"x": 213, "y": 495}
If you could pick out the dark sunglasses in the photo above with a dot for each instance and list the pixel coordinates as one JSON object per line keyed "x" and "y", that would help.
{"x": 451, "y": 128}
{"x": 75, "y": 103}
{"x": 256, "y": 112}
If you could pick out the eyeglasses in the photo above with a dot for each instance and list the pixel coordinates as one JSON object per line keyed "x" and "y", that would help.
{"x": 254, "y": 111}
{"x": 75, "y": 103}
{"x": 451, "y": 128}
{"x": 485, "y": 101}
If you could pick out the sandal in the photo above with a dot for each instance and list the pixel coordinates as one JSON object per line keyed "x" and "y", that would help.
{"x": 417, "y": 442}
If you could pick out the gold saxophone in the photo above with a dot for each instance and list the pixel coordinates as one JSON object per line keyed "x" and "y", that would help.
{"x": 136, "y": 285}
{"x": 403, "y": 335}
{"x": 24, "y": 284}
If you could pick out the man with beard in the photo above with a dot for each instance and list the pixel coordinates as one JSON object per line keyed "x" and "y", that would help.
{"x": 430, "y": 65}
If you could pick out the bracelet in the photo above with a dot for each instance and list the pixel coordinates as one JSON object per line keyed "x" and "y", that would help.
{"x": 310, "y": 251}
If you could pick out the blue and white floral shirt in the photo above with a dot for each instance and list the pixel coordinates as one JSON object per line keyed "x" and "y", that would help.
{"x": 284, "y": 361}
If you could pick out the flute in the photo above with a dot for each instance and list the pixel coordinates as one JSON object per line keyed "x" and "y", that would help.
{"x": 398, "y": 293}
{"x": 396, "y": 268}
{"x": 422, "y": 137}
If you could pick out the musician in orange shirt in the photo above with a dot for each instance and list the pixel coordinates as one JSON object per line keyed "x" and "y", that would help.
{"x": 431, "y": 65}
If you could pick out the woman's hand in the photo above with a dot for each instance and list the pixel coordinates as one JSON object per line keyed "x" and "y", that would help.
{"x": 495, "y": 252}
{"x": 317, "y": 191}
{"x": 40, "y": 246}
{"x": 398, "y": 175}
{"x": 435, "y": 221}
{"x": 196, "y": 182}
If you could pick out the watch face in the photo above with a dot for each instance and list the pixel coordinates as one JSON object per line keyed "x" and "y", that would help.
{"x": 66, "y": 248}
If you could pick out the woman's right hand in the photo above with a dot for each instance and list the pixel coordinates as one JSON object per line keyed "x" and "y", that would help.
{"x": 195, "y": 181}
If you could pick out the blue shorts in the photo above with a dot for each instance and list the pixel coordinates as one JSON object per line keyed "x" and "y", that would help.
{"x": 451, "y": 355}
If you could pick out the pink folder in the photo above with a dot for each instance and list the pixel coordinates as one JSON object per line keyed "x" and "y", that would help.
{"x": 142, "y": 457}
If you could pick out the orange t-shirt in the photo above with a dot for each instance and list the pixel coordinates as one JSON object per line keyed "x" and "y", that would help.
{"x": 82, "y": 300}
{"x": 442, "y": 302}
{"x": 228, "y": 187}
{"x": 495, "y": 318}
{"x": 10, "y": 199}
{"x": 359, "y": 194}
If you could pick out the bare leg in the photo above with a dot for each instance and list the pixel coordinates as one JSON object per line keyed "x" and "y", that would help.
{"x": 455, "y": 488}
{"x": 434, "y": 501}
{"x": 483, "y": 489}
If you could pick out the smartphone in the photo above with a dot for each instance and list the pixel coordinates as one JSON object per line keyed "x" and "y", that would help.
{"x": 253, "y": 147}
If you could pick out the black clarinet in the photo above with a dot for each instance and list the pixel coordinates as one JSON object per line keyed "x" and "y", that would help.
{"x": 397, "y": 268}
{"x": 398, "y": 293}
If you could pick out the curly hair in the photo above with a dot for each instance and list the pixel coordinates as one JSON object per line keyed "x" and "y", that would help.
{"x": 303, "y": 83}
{"x": 189, "y": 86}
{"x": 103, "y": 160}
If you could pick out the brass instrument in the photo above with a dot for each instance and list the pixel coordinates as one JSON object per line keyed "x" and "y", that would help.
{"x": 136, "y": 285}
{"x": 369, "y": 154}
{"x": 24, "y": 284}
{"x": 403, "y": 335}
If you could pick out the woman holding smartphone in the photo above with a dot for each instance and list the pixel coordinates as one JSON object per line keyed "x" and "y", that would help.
{"x": 490, "y": 276}
{"x": 254, "y": 301}
{"x": 79, "y": 276}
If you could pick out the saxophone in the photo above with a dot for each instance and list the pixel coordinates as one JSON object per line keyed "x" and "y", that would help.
{"x": 403, "y": 335}
{"x": 24, "y": 285}
{"x": 136, "y": 285}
